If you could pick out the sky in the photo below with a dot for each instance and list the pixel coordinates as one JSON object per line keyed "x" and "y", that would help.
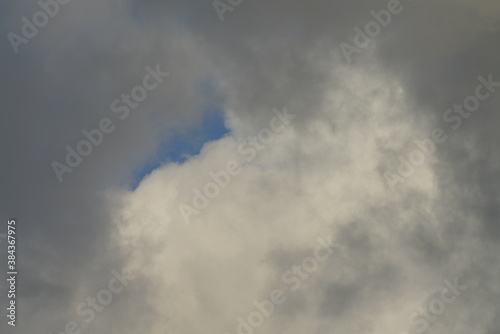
{"x": 181, "y": 144}
{"x": 250, "y": 167}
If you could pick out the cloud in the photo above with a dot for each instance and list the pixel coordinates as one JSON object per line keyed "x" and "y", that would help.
{"x": 324, "y": 176}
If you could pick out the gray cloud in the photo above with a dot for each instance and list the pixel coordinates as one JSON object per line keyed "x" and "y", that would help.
{"x": 325, "y": 176}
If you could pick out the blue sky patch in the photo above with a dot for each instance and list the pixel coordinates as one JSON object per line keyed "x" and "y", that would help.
{"x": 180, "y": 145}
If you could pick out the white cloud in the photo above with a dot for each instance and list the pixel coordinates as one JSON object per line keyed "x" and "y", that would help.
{"x": 313, "y": 180}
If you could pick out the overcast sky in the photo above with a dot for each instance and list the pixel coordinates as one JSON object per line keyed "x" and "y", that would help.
{"x": 183, "y": 163}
